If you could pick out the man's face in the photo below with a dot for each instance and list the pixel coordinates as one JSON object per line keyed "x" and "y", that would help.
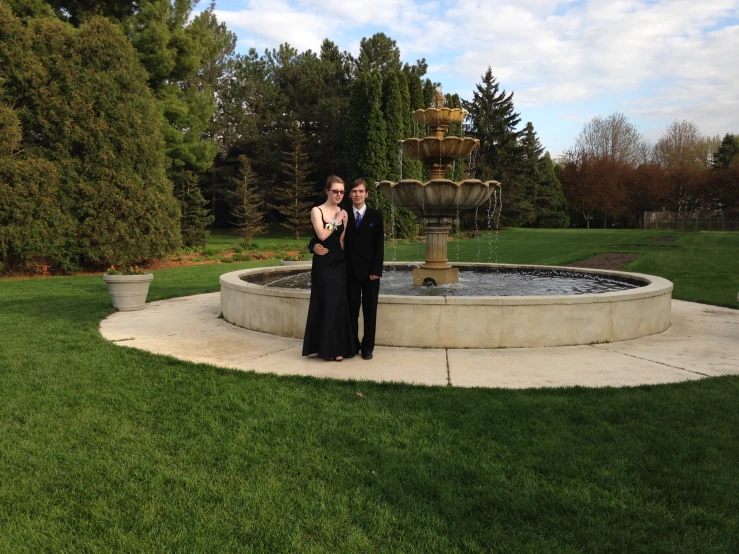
{"x": 359, "y": 196}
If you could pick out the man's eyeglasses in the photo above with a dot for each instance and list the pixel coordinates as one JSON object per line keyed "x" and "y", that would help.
{"x": 337, "y": 192}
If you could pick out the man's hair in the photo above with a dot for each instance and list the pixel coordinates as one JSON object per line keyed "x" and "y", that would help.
{"x": 358, "y": 182}
{"x": 333, "y": 179}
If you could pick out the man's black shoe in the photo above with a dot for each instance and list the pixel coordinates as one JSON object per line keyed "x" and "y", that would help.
{"x": 367, "y": 356}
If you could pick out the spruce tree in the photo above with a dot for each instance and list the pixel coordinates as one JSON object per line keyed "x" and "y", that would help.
{"x": 245, "y": 202}
{"x": 530, "y": 175}
{"x": 493, "y": 120}
{"x": 294, "y": 196}
{"x": 196, "y": 216}
{"x": 551, "y": 206}
{"x": 728, "y": 152}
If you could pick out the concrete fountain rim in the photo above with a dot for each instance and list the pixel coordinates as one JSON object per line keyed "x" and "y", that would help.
{"x": 654, "y": 286}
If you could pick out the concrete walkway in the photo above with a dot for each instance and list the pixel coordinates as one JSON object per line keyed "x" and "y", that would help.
{"x": 703, "y": 341}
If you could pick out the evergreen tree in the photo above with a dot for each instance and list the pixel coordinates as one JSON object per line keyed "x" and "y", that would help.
{"x": 723, "y": 190}
{"x": 551, "y": 206}
{"x": 330, "y": 133}
{"x": 493, "y": 120}
{"x": 378, "y": 53}
{"x": 394, "y": 113}
{"x": 727, "y": 154}
{"x": 457, "y": 171}
{"x": 429, "y": 92}
{"x": 294, "y": 198}
{"x": 196, "y": 216}
{"x": 413, "y": 169}
{"x": 531, "y": 175}
{"x": 366, "y": 133}
{"x": 405, "y": 99}
{"x": 245, "y": 202}
{"x": 89, "y": 117}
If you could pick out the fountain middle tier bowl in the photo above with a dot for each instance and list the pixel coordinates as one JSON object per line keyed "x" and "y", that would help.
{"x": 446, "y": 321}
{"x": 438, "y": 197}
{"x": 438, "y": 150}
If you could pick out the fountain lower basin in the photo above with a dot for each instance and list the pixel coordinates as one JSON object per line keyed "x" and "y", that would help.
{"x": 466, "y": 321}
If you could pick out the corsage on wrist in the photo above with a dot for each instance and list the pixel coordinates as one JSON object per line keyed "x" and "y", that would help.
{"x": 331, "y": 225}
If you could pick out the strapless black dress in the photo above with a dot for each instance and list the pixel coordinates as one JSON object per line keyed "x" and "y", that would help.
{"x": 328, "y": 329}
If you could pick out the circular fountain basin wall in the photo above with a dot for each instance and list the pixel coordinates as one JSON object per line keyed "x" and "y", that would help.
{"x": 467, "y": 321}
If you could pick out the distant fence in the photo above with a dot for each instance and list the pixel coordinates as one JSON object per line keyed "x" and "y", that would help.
{"x": 692, "y": 221}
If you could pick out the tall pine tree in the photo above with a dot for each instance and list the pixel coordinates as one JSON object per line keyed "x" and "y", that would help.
{"x": 551, "y": 206}
{"x": 493, "y": 120}
{"x": 294, "y": 197}
{"x": 245, "y": 202}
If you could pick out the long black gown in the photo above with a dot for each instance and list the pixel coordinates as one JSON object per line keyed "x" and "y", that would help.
{"x": 328, "y": 329}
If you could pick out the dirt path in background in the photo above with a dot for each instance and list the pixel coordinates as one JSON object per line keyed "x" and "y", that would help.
{"x": 611, "y": 260}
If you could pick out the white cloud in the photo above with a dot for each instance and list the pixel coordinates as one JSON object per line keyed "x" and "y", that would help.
{"x": 550, "y": 52}
{"x": 272, "y": 23}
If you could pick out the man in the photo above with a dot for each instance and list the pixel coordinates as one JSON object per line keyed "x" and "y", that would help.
{"x": 364, "y": 248}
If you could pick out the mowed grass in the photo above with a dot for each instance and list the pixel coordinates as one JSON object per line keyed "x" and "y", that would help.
{"x": 110, "y": 449}
{"x": 704, "y": 267}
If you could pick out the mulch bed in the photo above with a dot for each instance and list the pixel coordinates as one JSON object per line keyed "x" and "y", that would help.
{"x": 611, "y": 260}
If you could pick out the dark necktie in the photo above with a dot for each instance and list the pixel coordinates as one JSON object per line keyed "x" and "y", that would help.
{"x": 359, "y": 218}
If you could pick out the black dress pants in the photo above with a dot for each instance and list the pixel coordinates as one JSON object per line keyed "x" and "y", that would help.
{"x": 364, "y": 293}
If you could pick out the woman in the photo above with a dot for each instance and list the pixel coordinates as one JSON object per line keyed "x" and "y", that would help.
{"x": 328, "y": 329}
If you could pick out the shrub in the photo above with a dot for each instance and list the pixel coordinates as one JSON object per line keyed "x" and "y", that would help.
{"x": 86, "y": 183}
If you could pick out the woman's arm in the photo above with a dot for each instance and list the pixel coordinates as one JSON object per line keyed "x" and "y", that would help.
{"x": 345, "y": 219}
{"x": 317, "y": 219}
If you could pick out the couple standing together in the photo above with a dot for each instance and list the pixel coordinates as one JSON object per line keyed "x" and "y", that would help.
{"x": 348, "y": 250}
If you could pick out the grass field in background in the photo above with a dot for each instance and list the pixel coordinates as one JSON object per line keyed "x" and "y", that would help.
{"x": 703, "y": 266}
{"x": 110, "y": 449}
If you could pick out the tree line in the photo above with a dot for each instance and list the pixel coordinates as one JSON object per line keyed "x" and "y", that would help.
{"x": 130, "y": 128}
{"x": 612, "y": 175}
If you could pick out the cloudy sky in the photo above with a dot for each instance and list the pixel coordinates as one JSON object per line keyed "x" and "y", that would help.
{"x": 566, "y": 61}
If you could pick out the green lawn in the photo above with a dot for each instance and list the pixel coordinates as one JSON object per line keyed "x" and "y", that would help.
{"x": 109, "y": 449}
{"x": 703, "y": 266}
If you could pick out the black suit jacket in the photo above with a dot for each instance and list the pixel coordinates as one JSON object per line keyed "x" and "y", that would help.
{"x": 364, "y": 247}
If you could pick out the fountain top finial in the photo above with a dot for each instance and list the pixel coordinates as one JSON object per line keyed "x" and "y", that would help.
{"x": 438, "y": 99}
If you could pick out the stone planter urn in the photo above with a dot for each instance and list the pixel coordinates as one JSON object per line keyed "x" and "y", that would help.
{"x": 128, "y": 292}
{"x": 295, "y": 262}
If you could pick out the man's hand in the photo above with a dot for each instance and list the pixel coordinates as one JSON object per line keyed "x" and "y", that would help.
{"x": 374, "y": 277}
{"x": 320, "y": 250}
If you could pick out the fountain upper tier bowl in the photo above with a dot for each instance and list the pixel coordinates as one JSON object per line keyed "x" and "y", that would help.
{"x": 438, "y": 197}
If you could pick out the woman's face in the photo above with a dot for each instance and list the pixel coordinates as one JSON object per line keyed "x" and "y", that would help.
{"x": 335, "y": 193}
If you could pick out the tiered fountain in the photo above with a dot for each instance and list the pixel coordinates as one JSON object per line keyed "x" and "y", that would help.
{"x": 485, "y": 316}
{"x": 437, "y": 202}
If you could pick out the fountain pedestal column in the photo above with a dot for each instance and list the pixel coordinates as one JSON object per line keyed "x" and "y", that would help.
{"x": 436, "y": 266}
